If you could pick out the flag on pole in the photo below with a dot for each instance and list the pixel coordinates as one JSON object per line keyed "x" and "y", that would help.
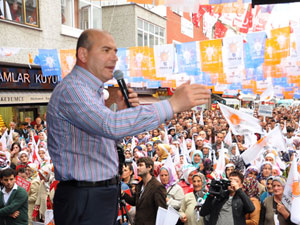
{"x": 201, "y": 122}
{"x": 268, "y": 94}
{"x": 194, "y": 118}
{"x": 166, "y": 139}
{"x": 240, "y": 122}
{"x": 273, "y": 138}
{"x": 291, "y": 193}
{"x": 3, "y": 141}
{"x": 228, "y": 138}
{"x": 220, "y": 168}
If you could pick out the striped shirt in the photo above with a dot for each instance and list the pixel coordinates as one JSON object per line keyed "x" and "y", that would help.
{"x": 82, "y": 131}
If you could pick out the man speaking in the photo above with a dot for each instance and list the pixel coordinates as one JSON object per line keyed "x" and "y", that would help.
{"x": 82, "y": 131}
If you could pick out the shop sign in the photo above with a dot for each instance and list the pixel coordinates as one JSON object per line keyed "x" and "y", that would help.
{"x": 7, "y": 98}
{"x": 25, "y": 78}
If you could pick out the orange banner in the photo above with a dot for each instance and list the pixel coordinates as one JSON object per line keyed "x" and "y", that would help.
{"x": 142, "y": 62}
{"x": 67, "y": 61}
{"x": 272, "y": 55}
{"x": 156, "y": 2}
{"x": 282, "y": 38}
{"x": 211, "y": 56}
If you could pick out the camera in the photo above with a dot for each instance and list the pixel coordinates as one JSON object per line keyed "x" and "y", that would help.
{"x": 219, "y": 188}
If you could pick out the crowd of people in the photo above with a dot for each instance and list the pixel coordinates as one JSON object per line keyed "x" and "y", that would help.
{"x": 174, "y": 165}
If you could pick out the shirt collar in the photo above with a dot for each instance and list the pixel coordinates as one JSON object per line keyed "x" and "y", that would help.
{"x": 15, "y": 187}
{"x": 93, "y": 81}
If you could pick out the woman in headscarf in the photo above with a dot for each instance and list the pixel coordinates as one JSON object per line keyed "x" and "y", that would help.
{"x": 269, "y": 189}
{"x": 197, "y": 160}
{"x": 175, "y": 193}
{"x": 265, "y": 172}
{"x": 252, "y": 171}
{"x": 163, "y": 152}
{"x": 32, "y": 174}
{"x": 272, "y": 210}
{"x": 250, "y": 186}
{"x": 41, "y": 201}
{"x": 186, "y": 183}
{"x": 192, "y": 202}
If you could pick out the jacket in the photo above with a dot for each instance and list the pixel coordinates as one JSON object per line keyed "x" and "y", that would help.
{"x": 241, "y": 204}
{"x": 147, "y": 202}
{"x": 18, "y": 201}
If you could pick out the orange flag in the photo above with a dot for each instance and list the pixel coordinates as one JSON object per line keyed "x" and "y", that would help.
{"x": 272, "y": 54}
{"x": 67, "y": 61}
{"x": 282, "y": 38}
{"x": 156, "y": 2}
{"x": 211, "y": 56}
{"x": 142, "y": 62}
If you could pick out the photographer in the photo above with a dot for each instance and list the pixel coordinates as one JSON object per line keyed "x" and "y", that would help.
{"x": 230, "y": 206}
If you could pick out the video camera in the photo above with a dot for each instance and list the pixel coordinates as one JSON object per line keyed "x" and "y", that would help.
{"x": 219, "y": 188}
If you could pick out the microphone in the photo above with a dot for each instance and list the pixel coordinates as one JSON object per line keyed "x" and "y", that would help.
{"x": 119, "y": 76}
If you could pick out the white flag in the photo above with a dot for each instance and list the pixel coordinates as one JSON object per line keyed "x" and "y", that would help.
{"x": 240, "y": 122}
{"x": 3, "y": 141}
{"x": 273, "y": 138}
{"x": 268, "y": 94}
{"x": 166, "y": 138}
{"x": 194, "y": 118}
{"x": 201, "y": 122}
{"x": 228, "y": 138}
{"x": 291, "y": 193}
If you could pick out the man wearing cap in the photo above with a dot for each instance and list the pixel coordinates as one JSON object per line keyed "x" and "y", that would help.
{"x": 82, "y": 131}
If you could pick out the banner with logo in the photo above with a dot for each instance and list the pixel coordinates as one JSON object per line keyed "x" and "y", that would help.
{"x": 164, "y": 59}
{"x": 67, "y": 60}
{"x": 211, "y": 56}
{"x": 188, "y": 58}
{"x": 49, "y": 62}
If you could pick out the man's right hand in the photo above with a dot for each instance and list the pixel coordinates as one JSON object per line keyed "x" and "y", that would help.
{"x": 15, "y": 214}
{"x": 189, "y": 95}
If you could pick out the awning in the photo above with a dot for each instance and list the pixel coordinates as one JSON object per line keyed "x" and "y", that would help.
{"x": 24, "y": 97}
{"x": 147, "y": 99}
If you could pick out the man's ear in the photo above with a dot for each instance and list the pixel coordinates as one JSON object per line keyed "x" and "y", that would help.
{"x": 82, "y": 54}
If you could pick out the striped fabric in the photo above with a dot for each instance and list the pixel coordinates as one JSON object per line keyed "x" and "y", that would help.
{"x": 82, "y": 131}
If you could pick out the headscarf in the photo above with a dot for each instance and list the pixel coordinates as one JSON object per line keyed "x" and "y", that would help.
{"x": 171, "y": 177}
{"x": 203, "y": 180}
{"x": 21, "y": 153}
{"x": 280, "y": 179}
{"x": 197, "y": 152}
{"x": 187, "y": 172}
{"x": 164, "y": 149}
{"x": 260, "y": 176}
{"x": 251, "y": 169}
{"x": 251, "y": 187}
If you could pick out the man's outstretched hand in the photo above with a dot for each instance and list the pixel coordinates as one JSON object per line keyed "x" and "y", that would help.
{"x": 188, "y": 96}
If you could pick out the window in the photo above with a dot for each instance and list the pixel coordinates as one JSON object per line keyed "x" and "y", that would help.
{"x": 81, "y": 14}
{"x": 20, "y": 11}
{"x": 149, "y": 34}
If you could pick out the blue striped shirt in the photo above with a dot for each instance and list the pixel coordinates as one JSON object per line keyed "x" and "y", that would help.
{"x": 82, "y": 131}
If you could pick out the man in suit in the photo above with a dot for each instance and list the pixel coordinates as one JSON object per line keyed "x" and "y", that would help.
{"x": 13, "y": 200}
{"x": 149, "y": 195}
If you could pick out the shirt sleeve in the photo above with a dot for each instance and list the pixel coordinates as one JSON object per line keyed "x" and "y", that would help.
{"x": 84, "y": 108}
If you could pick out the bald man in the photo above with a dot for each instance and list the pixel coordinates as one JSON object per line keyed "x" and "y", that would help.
{"x": 82, "y": 131}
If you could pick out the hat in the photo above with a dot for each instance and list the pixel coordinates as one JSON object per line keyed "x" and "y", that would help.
{"x": 207, "y": 145}
{"x": 199, "y": 139}
{"x": 21, "y": 153}
{"x": 280, "y": 179}
{"x": 4, "y": 161}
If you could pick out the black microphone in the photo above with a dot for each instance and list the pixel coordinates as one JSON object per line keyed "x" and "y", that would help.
{"x": 119, "y": 76}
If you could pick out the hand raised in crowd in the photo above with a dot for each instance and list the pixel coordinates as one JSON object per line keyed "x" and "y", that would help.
{"x": 15, "y": 214}
{"x": 133, "y": 99}
{"x": 189, "y": 95}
